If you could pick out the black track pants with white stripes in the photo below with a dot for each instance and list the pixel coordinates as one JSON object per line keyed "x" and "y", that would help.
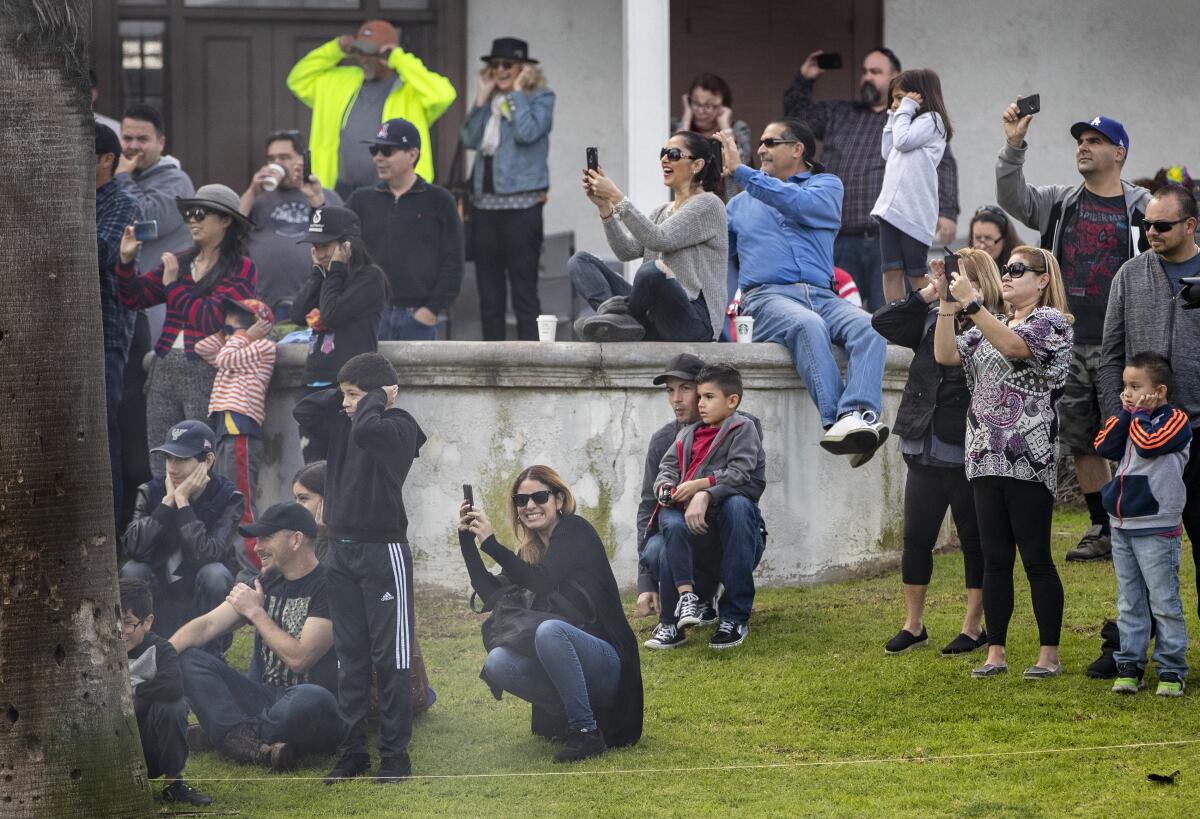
{"x": 370, "y": 596}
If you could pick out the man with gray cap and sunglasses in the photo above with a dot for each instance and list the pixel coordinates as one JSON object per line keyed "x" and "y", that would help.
{"x": 1093, "y": 228}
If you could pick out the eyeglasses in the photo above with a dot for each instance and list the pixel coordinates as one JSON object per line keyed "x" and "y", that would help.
{"x": 505, "y": 64}
{"x": 703, "y": 106}
{"x": 386, "y": 150}
{"x": 1016, "y": 270}
{"x": 196, "y": 214}
{"x": 128, "y": 626}
{"x": 988, "y": 240}
{"x": 521, "y": 499}
{"x": 1161, "y": 225}
{"x": 771, "y": 142}
{"x": 674, "y": 154}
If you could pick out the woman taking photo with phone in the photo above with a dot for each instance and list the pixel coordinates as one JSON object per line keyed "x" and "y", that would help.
{"x": 678, "y": 294}
{"x": 931, "y": 424}
{"x": 1016, "y": 367}
{"x": 194, "y": 285}
{"x": 585, "y": 680}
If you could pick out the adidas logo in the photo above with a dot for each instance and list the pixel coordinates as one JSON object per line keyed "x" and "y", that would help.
{"x": 386, "y": 597}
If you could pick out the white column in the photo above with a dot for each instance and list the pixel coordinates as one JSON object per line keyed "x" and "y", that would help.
{"x": 646, "y": 33}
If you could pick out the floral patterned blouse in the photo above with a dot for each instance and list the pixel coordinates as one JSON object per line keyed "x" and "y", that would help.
{"x": 1012, "y": 424}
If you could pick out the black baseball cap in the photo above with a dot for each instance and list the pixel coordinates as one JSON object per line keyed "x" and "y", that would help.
{"x": 290, "y": 515}
{"x": 331, "y": 224}
{"x": 187, "y": 439}
{"x": 397, "y": 132}
{"x": 685, "y": 366}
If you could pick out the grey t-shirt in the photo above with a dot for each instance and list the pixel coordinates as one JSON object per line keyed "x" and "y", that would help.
{"x": 1177, "y": 271}
{"x": 281, "y": 217}
{"x": 354, "y": 161}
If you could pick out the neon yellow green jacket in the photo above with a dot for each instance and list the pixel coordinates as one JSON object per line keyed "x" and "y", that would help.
{"x": 330, "y": 90}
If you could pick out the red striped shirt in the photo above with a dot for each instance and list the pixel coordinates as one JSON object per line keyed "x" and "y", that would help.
{"x": 244, "y": 370}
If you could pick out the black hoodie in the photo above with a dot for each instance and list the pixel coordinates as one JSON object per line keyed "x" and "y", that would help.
{"x": 368, "y": 458}
{"x": 350, "y": 308}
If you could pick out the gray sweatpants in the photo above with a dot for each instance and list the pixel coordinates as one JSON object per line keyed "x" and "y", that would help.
{"x": 177, "y": 389}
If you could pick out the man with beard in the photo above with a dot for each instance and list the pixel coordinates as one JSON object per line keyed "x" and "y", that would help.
{"x": 852, "y": 132}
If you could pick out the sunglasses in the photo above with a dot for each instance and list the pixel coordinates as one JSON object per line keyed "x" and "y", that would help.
{"x": 386, "y": 150}
{"x": 1017, "y": 269}
{"x": 674, "y": 154}
{"x": 521, "y": 499}
{"x": 196, "y": 214}
{"x": 1160, "y": 226}
{"x": 771, "y": 142}
{"x": 505, "y": 64}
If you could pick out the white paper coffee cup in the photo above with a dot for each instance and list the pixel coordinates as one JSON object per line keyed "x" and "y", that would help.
{"x": 744, "y": 327}
{"x": 272, "y": 182}
{"x": 547, "y": 327}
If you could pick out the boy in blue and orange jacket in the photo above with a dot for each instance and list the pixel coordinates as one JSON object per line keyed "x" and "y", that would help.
{"x": 1145, "y": 501}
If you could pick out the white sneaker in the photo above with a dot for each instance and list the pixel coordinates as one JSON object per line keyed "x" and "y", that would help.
{"x": 851, "y": 434}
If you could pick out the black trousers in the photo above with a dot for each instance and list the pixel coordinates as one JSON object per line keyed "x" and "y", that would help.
{"x": 928, "y": 491}
{"x": 1015, "y": 515}
{"x": 370, "y": 597}
{"x": 508, "y": 248}
{"x": 163, "y": 729}
{"x": 1191, "y": 508}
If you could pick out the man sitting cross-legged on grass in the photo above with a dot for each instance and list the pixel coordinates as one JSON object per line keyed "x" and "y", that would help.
{"x": 717, "y": 462}
{"x": 286, "y": 704}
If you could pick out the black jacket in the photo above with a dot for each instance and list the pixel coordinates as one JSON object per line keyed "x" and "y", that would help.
{"x": 417, "y": 240}
{"x": 204, "y": 531}
{"x": 368, "y": 458}
{"x": 576, "y": 553}
{"x": 350, "y": 312}
{"x": 933, "y": 395}
{"x": 167, "y": 683}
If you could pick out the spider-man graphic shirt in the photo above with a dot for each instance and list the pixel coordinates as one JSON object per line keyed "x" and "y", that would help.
{"x": 1095, "y": 243}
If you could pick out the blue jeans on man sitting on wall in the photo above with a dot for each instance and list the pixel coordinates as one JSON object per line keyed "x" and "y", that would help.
{"x": 733, "y": 541}
{"x": 809, "y": 320}
{"x": 398, "y": 324}
{"x": 858, "y": 255}
{"x": 572, "y": 674}
{"x": 303, "y": 715}
{"x": 656, "y": 300}
{"x": 189, "y": 597}
{"x": 1147, "y": 568}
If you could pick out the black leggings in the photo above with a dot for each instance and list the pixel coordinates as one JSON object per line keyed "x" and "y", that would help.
{"x": 927, "y": 492}
{"x": 1015, "y": 514}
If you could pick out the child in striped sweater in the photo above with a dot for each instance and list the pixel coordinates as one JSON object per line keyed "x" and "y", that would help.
{"x": 244, "y": 358}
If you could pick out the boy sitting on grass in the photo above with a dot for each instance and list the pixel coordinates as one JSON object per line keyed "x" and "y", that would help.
{"x": 708, "y": 484}
{"x": 245, "y": 358}
{"x": 1145, "y": 502}
{"x": 369, "y": 445}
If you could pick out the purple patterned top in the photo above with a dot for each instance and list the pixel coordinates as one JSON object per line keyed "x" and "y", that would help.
{"x": 1012, "y": 425}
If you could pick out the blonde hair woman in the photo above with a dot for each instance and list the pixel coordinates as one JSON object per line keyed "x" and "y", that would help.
{"x": 1016, "y": 368}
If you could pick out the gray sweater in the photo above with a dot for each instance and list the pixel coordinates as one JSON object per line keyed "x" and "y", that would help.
{"x": 693, "y": 242}
{"x": 1145, "y": 316}
{"x": 156, "y": 190}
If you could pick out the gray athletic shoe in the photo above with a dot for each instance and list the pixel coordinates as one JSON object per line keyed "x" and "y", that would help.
{"x": 1094, "y": 545}
{"x": 611, "y": 327}
{"x": 614, "y": 304}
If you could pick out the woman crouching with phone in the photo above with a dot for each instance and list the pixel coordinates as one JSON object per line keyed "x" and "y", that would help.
{"x": 585, "y": 681}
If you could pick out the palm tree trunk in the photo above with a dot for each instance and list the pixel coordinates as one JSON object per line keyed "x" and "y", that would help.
{"x": 68, "y": 737}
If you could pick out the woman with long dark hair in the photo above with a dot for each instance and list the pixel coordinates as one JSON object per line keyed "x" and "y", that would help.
{"x": 678, "y": 294}
{"x": 194, "y": 284}
{"x": 993, "y": 232}
{"x": 585, "y": 681}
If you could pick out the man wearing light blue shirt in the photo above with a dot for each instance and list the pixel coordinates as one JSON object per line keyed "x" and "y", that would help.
{"x": 781, "y": 232}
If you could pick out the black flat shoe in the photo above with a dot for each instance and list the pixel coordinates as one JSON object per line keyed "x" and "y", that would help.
{"x": 906, "y": 641}
{"x": 964, "y": 644}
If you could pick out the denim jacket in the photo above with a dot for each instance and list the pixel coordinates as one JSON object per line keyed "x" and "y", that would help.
{"x": 520, "y": 164}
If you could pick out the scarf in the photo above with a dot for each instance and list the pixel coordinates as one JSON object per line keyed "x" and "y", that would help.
{"x": 491, "y": 132}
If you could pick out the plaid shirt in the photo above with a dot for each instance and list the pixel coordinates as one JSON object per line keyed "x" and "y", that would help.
{"x": 115, "y": 209}
{"x": 852, "y": 139}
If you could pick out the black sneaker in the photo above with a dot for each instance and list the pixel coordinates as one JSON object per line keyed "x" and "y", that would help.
{"x": 348, "y": 766}
{"x": 708, "y": 615}
{"x": 906, "y": 641}
{"x": 582, "y": 744}
{"x": 393, "y": 769}
{"x": 964, "y": 644}
{"x": 1103, "y": 667}
{"x": 687, "y": 610}
{"x": 183, "y": 793}
{"x": 666, "y": 636}
{"x": 728, "y": 635}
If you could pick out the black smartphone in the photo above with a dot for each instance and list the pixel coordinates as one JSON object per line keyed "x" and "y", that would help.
{"x": 951, "y": 262}
{"x": 145, "y": 231}
{"x": 827, "y": 62}
{"x": 593, "y": 159}
{"x": 468, "y": 494}
{"x": 1029, "y": 105}
{"x": 307, "y": 166}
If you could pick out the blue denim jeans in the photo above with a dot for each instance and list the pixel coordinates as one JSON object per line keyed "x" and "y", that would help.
{"x": 398, "y": 324}
{"x": 706, "y": 573}
{"x": 733, "y": 541}
{"x": 858, "y": 255}
{"x": 809, "y": 320}
{"x": 1147, "y": 568}
{"x": 303, "y": 715}
{"x": 187, "y": 598}
{"x": 658, "y": 302}
{"x": 573, "y": 673}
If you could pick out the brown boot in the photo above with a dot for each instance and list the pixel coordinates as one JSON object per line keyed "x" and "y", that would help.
{"x": 243, "y": 745}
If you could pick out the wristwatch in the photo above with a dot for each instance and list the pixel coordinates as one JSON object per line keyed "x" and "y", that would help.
{"x": 971, "y": 309}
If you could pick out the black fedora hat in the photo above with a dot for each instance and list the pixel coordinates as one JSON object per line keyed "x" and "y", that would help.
{"x": 509, "y": 48}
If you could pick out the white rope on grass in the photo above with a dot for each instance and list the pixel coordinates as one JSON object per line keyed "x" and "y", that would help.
{"x": 742, "y": 767}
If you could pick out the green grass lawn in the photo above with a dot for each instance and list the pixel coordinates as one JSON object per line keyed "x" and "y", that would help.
{"x": 808, "y": 717}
